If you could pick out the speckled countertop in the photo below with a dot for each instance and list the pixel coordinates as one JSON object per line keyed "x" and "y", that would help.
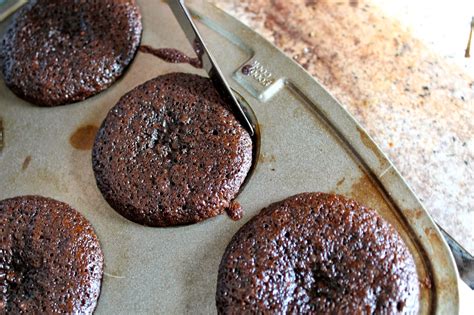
{"x": 417, "y": 104}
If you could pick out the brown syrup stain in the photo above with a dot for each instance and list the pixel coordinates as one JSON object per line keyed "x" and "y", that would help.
{"x": 26, "y": 163}
{"x": 441, "y": 252}
{"x": 173, "y": 55}
{"x": 419, "y": 213}
{"x": 369, "y": 144}
{"x": 83, "y": 138}
{"x": 365, "y": 192}
{"x": 438, "y": 246}
{"x": 340, "y": 182}
{"x": 433, "y": 237}
{"x": 266, "y": 158}
{"x": 414, "y": 214}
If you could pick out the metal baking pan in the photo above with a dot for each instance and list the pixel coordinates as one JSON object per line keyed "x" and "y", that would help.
{"x": 307, "y": 142}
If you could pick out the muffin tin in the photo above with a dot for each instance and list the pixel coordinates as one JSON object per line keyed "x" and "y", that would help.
{"x": 306, "y": 142}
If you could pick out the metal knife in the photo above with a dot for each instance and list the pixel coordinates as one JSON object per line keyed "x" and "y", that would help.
{"x": 464, "y": 260}
{"x": 7, "y": 7}
{"x": 208, "y": 62}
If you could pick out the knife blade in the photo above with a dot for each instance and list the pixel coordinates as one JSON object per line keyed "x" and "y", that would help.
{"x": 464, "y": 260}
{"x": 208, "y": 62}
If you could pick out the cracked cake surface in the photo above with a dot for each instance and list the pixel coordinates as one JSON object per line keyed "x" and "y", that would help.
{"x": 317, "y": 253}
{"x": 171, "y": 153}
{"x": 56, "y": 52}
{"x": 51, "y": 260}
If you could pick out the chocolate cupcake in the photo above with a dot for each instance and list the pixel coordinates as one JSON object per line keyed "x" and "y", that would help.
{"x": 171, "y": 153}
{"x": 51, "y": 260}
{"x": 320, "y": 254}
{"x": 56, "y": 52}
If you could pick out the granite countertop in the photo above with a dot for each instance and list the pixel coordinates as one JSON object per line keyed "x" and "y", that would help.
{"x": 417, "y": 104}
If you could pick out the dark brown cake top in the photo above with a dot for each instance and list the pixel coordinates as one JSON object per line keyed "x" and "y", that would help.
{"x": 51, "y": 260}
{"x": 320, "y": 254}
{"x": 61, "y": 51}
{"x": 171, "y": 153}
